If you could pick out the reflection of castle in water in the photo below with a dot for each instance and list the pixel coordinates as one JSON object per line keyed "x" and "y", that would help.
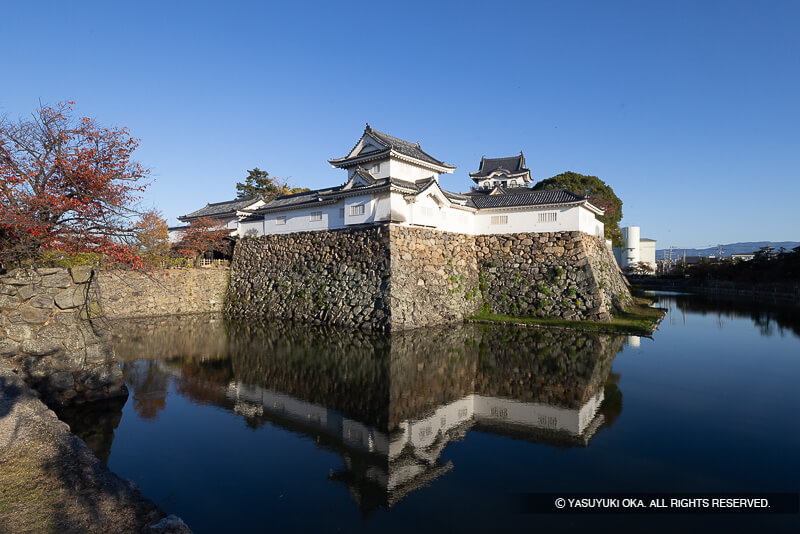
{"x": 390, "y": 406}
{"x": 409, "y": 456}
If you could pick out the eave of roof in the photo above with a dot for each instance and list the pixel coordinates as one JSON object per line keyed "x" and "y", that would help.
{"x": 477, "y": 177}
{"x": 327, "y": 196}
{"x": 217, "y": 210}
{"x": 530, "y": 198}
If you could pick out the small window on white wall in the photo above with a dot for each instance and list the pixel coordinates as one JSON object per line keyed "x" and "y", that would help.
{"x": 376, "y": 168}
{"x": 499, "y": 219}
{"x": 550, "y": 216}
{"x": 316, "y": 216}
{"x": 341, "y": 213}
{"x": 280, "y": 219}
{"x": 357, "y": 209}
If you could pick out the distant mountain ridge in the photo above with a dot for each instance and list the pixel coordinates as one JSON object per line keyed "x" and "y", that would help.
{"x": 746, "y": 247}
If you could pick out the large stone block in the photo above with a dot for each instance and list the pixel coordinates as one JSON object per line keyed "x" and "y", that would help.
{"x": 41, "y": 301}
{"x": 7, "y": 290}
{"x": 72, "y": 297}
{"x": 60, "y": 278}
{"x": 20, "y": 277}
{"x": 32, "y": 315}
{"x": 41, "y": 346}
{"x": 46, "y": 271}
{"x": 8, "y": 301}
{"x": 20, "y": 331}
{"x": 81, "y": 274}
{"x": 26, "y": 292}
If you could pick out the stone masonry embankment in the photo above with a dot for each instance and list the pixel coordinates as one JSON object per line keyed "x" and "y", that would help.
{"x": 52, "y": 335}
{"x": 126, "y": 294}
{"x": 434, "y": 277}
{"x": 337, "y": 277}
{"x": 568, "y": 275}
{"x": 391, "y": 277}
{"x": 54, "y": 326}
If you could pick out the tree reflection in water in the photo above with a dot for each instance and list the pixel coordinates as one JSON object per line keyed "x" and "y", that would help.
{"x": 149, "y": 384}
{"x": 768, "y": 318}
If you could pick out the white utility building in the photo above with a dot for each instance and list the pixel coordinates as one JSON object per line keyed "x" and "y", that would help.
{"x": 635, "y": 249}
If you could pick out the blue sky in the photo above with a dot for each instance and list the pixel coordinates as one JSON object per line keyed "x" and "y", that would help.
{"x": 689, "y": 110}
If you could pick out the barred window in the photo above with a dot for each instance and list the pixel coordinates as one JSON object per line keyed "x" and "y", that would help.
{"x": 357, "y": 209}
{"x": 550, "y": 216}
{"x": 499, "y": 219}
{"x": 341, "y": 213}
{"x": 280, "y": 219}
{"x": 316, "y": 216}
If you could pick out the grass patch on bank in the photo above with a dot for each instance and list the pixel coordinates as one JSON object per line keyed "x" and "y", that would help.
{"x": 639, "y": 319}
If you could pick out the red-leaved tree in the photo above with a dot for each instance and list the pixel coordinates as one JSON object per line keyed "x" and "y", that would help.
{"x": 67, "y": 185}
{"x": 204, "y": 235}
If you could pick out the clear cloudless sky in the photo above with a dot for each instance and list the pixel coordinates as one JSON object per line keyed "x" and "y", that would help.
{"x": 690, "y": 110}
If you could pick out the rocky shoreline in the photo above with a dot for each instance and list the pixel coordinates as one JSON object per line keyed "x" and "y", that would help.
{"x": 50, "y": 481}
{"x": 56, "y": 351}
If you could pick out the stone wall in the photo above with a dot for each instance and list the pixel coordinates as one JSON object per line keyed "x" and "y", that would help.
{"x": 434, "y": 277}
{"x": 165, "y": 292}
{"x": 52, "y": 335}
{"x": 335, "y": 277}
{"x": 569, "y": 275}
{"x": 392, "y": 277}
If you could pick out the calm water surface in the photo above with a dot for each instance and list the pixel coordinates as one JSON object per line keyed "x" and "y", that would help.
{"x": 282, "y": 428}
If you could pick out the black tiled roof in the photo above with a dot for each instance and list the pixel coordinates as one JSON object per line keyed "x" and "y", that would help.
{"x": 317, "y": 197}
{"x": 512, "y": 165}
{"x": 504, "y": 190}
{"x": 527, "y": 198}
{"x": 403, "y": 183}
{"x": 299, "y": 199}
{"x": 219, "y": 209}
{"x": 366, "y": 176}
{"x": 402, "y": 146}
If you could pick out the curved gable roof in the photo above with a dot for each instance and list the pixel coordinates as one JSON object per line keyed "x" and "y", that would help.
{"x": 389, "y": 143}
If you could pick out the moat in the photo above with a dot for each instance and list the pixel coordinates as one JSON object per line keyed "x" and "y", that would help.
{"x": 247, "y": 428}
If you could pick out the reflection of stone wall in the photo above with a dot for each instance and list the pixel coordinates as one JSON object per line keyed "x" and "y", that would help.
{"x": 555, "y": 367}
{"x": 335, "y": 277}
{"x": 379, "y": 380}
{"x": 164, "y": 292}
{"x": 192, "y": 336}
{"x": 431, "y": 368}
{"x": 49, "y": 338}
{"x": 342, "y": 370}
{"x": 563, "y": 274}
